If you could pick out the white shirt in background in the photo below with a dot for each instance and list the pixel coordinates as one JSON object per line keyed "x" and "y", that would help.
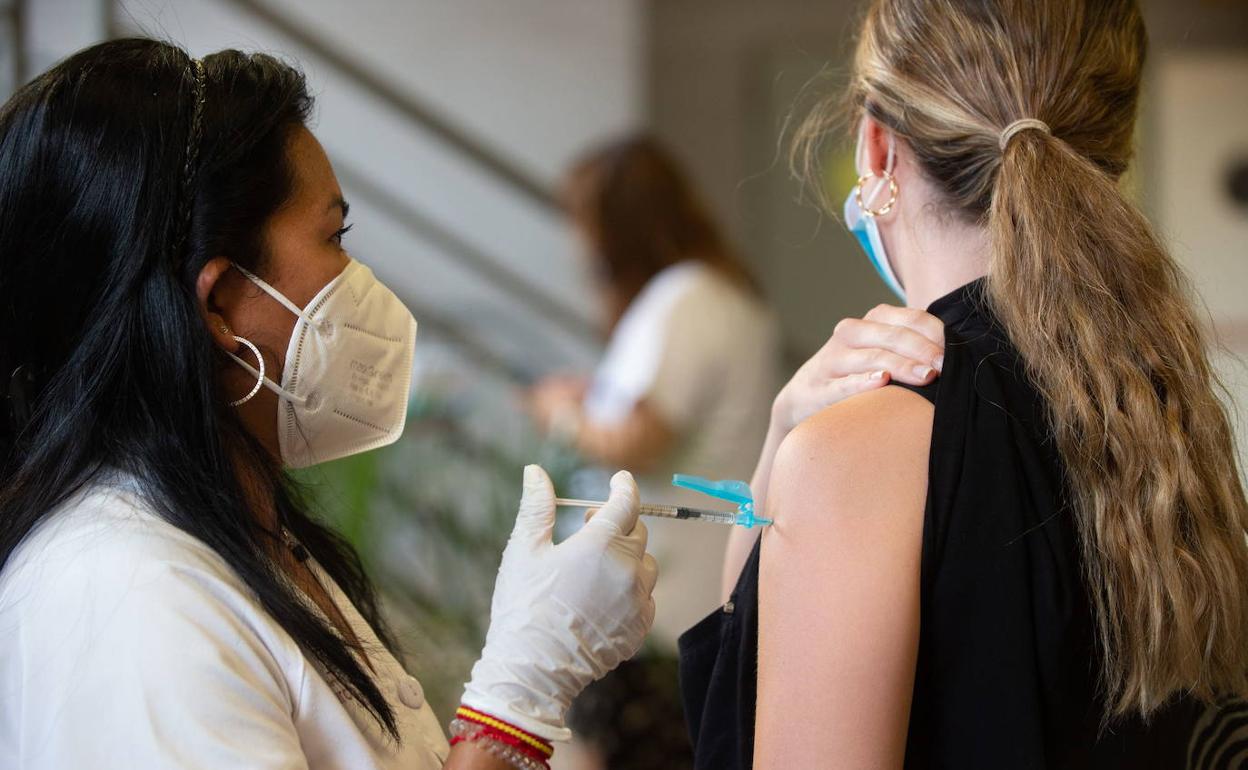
{"x": 704, "y": 353}
{"x": 126, "y": 643}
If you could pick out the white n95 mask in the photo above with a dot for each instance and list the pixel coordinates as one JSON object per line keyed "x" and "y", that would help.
{"x": 348, "y": 369}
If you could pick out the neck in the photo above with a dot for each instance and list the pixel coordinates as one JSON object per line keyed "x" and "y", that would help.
{"x": 935, "y": 255}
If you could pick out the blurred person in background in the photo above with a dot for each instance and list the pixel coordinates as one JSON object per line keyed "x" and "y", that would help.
{"x": 690, "y": 368}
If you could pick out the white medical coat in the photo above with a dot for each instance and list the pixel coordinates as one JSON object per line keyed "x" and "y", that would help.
{"x": 126, "y": 643}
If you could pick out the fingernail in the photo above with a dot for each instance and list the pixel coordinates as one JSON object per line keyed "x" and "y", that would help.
{"x": 876, "y": 375}
{"x": 530, "y": 474}
{"x": 621, "y": 477}
{"x": 939, "y": 363}
{"x": 922, "y": 372}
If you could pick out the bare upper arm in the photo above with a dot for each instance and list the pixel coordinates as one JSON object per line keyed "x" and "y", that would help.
{"x": 839, "y": 585}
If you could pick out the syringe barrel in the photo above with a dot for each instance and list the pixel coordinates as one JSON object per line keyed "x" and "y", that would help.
{"x": 683, "y": 512}
{"x": 664, "y": 511}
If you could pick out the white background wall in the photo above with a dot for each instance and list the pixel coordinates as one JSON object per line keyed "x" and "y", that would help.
{"x": 536, "y": 79}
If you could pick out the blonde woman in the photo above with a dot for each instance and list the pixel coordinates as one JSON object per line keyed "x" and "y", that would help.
{"x": 1038, "y": 560}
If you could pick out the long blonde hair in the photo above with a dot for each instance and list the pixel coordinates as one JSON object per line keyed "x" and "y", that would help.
{"x": 1096, "y": 307}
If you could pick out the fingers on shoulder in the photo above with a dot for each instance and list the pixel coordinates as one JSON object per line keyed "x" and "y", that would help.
{"x": 903, "y": 331}
{"x": 914, "y": 318}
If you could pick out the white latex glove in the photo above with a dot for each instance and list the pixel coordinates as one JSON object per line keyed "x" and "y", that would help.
{"x": 563, "y": 615}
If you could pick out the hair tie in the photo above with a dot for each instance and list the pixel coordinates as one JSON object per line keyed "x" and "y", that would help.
{"x": 1021, "y": 125}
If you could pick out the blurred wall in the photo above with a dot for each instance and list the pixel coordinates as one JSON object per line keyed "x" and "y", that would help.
{"x": 724, "y": 76}
{"x": 8, "y": 56}
{"x": 536, "y": 79}
{"x": 1199, "y": 143}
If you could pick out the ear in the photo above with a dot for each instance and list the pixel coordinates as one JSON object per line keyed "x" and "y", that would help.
{"x": 210, "y": 291}
{"x": 873, "y": 147}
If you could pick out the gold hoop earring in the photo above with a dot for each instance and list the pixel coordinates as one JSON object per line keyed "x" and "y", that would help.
{"x": 259, "y": 380}
{"x": 892, "y": 193}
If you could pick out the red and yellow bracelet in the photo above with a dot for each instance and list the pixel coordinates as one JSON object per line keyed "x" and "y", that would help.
{"x": 473, "y": 725}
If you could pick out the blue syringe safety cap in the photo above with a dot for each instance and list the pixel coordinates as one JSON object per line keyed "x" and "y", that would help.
{"x": 731, "y": 490}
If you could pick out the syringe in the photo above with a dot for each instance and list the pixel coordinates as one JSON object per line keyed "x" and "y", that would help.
{"x": 678, "y": 512}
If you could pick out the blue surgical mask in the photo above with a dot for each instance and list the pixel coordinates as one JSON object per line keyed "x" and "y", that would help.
{"x": 867, "y": 230}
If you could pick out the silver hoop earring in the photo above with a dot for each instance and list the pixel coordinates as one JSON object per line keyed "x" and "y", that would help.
{"x": 892, "y": 193}
{"x": 259, "y": 380}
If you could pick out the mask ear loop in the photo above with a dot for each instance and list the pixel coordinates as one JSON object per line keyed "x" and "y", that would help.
{"x": 275, "y": 294}
{"x": 261, "y": 380}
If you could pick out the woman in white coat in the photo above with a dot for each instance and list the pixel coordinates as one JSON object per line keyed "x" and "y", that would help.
{"x": 179, "y": 323}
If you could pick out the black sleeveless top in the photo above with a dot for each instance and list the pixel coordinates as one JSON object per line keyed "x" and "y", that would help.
{"x": 1007, "y": 666}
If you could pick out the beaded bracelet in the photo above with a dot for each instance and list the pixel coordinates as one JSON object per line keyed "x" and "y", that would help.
{"x": 515, "y": 743}
{"x": 522, "y": 739}
{"x": 493, "y": 742}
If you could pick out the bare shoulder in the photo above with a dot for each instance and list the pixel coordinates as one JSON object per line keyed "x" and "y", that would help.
{"x": 841, "y": 564}
{"x": 869, "y": 448}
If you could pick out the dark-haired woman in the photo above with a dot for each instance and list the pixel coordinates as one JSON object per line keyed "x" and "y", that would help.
{"x": 691, "y": 362}
{"x": 179, "y": 321}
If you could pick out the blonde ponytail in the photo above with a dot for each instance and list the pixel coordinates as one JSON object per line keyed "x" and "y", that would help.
{"x": 1096, "y": 307}
{"x": 1098, "y": 311}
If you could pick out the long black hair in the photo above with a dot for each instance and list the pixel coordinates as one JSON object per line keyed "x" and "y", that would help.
{"x": 122, "y": 171}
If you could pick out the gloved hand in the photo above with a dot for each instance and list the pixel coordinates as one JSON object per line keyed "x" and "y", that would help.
{"x": 563, "y": 615}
